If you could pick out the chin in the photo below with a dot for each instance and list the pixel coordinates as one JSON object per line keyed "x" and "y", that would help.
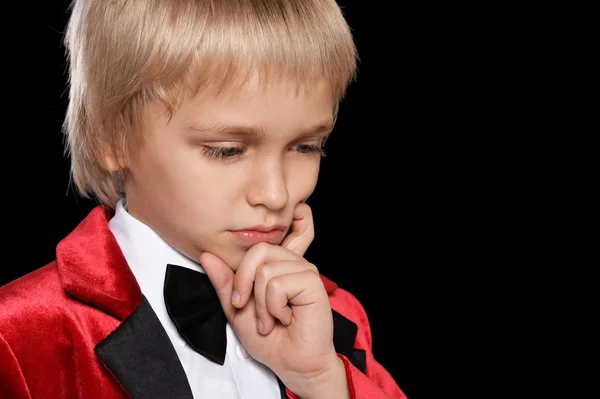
{"x": 236, "y": 258}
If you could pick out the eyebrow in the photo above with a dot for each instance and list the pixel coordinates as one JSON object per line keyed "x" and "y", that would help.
{"x": 243, "y": 131}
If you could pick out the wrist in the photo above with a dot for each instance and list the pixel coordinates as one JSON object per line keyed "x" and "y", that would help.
{"x": 331, "y": 383}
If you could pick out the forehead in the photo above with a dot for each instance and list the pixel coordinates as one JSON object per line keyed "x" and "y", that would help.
{"x": 280, "y": 106}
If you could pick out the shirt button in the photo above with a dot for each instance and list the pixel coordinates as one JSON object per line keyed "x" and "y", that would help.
{"x": 242, "y": 352}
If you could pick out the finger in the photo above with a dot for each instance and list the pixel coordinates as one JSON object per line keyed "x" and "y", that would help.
{"x": 303, "y": 230}
{"x": 264, "y": 275}
{"x": 256, "y": 256}
{"x": 221, "y": 277}
{"x": 289, "y": 294}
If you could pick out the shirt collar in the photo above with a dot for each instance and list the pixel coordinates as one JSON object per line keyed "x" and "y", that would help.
{"x": 147, "y": 255}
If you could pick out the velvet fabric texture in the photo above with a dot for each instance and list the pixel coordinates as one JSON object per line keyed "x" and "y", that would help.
{"x": 80, "y": 327}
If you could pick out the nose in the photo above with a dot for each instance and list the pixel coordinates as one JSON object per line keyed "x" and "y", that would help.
{"x": 268, "y": 185}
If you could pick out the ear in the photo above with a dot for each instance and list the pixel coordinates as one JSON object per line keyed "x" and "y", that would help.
{"x": 111, "y": 162}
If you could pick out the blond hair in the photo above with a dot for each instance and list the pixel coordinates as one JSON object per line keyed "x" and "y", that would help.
{"x": 124, "y": 54}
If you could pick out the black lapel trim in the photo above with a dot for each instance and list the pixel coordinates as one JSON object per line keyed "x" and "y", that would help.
{"x": 140, "y": 355}
{"x": 282, "y": 389}
{"x": 344, "y": 335}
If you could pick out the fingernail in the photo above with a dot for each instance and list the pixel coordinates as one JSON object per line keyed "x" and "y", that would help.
{"x": 235, "y": 297}
{"x": 260, "y": 325}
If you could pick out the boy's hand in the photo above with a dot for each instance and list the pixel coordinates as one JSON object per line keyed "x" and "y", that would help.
{"x": 279, "y": 309}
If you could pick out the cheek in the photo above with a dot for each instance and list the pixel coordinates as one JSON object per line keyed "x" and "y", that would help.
{"x": 303, "y": 181}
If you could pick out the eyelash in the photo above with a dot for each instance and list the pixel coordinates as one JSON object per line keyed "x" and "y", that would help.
{"x": 232, "y": 152}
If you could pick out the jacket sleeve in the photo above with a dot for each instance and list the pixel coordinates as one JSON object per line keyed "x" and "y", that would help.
{"x": 377, "y": 383}
{"x": 12, "y": 381}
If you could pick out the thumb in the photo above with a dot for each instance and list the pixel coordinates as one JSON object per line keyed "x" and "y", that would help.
{"x": 221, "y": 278}
{"x": 303, "y": 230}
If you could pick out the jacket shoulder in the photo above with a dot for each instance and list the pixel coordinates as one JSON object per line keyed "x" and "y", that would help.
{"x": 34, "y": 296}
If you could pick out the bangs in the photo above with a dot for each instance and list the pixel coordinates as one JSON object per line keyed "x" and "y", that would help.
{"x": 303, "y": 42}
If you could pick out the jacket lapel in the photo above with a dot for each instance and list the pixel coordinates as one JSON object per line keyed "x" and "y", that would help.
{"x": 140, "y": 355}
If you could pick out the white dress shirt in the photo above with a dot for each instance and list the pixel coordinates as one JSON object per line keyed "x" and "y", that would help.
{"x": 241, "y": 377}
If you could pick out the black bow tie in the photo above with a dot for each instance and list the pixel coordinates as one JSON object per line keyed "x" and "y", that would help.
{"x": 194, "y": 307}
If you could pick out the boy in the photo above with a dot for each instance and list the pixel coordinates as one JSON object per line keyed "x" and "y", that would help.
{"x": 199, "y": 126}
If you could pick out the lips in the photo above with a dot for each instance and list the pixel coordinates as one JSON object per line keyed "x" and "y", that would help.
{"x": 264, "y": 228}
{"x": 256, "y": 234}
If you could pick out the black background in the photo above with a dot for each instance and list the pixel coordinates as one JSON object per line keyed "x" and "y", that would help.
{"x": 400, "y": 206}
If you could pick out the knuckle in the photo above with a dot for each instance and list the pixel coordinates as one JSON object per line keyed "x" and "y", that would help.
{"x": 262, "y": 247}
{"x": 274, "y": 285}
{"x": 263, "y": 272}
{"x": 313, "y": 268}
{"x": 258, "y": 250}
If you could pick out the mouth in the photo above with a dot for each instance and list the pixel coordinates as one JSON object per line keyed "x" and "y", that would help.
{"x": 253, "y": 235}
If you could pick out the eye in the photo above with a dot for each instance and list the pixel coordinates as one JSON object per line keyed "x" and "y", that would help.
{"x": 223, "y": 152}
{"x": 308, "y": 149}
{"x": 229, "y": 153}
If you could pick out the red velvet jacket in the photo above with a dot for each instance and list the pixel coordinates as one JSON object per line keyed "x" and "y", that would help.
{"x": 81, "y": 328}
